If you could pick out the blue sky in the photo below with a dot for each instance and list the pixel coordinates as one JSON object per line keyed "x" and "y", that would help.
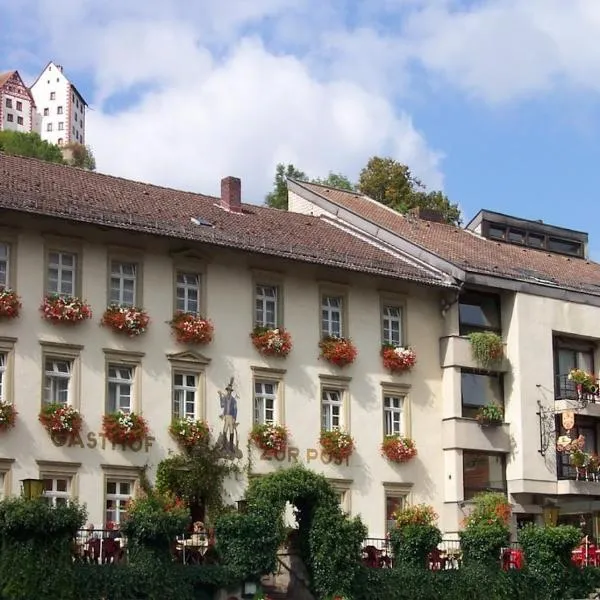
{"x": 496, "y": 101}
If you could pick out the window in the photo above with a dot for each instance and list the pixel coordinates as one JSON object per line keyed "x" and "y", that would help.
{"x": 75, "y": 117}
{"x": 73, "y": 129}
{"x": 60, "y": 141}
{"x": 331, "y": 316}
{"x": 123, "y": 283}
{"x": 479, "y": 312}
{"x": 57, "y": 378}
{"x": 8, "y": 103}
{"x": 331, "y": 410}
{"x": 266, "y": 300}
{"x": 118, "y": 495}
{"x": 9, "y": 117}
{"x": 120, "y": 388}
{"x": 57, "y": 491}
{"x": 564, "y": 246}
{"x": 343, "y": 490}
{"x": 59, "y": 110}
{"x": 392, "y": 325}
{"x": 46, "y": 112}
{"x": 187, "y": 293}
{"x": 483, "y": 472}
{"x": 19, "y": 105}
{"x": 571, "y": 354}
{"x": 185, "y": 392}
{"x": 479, "y": 389}
{"x": 49, "y": 127}
{"x": 516, "y": 236}
{"x": 19, "y": 120}
{"x": 61, "y": 273}
{"x": 52, "y": 95}
{"x": 265, "y": 400}
{"x": 4, "y": 264}
{"x": 3, "y": 367}
{"x": 3, "y": 478}
{"x": 392, "y": 415}
{"x": 61, "y": 126}
{"x": 392, "y": 505}
{"x": 585, "y": 426}
{"x": 536, "y": 240}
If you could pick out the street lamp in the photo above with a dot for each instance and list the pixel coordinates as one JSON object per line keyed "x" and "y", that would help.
{"x": 32, "y": 488}
{"x": 249, "y": 589}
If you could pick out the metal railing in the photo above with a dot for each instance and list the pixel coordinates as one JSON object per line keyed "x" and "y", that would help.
{"x": 566, "y": 389}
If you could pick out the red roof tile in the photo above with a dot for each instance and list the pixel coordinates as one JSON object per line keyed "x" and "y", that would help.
{"x": 4, "y": 77}
{"x": 39, "y": 187}
{"x": 469, "y": 251}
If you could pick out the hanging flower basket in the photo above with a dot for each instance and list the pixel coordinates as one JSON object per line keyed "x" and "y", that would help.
{"x": 129, "y": 320}
{"x": 398, "y": 449}
{"x": 65, "y": 309}
{"x": 60, "y": 418}
{"x": 338, "y": 351}
{"x": 124, "y": 428}
{"x": 338, "y": 444}
{"x": 490, "y": 415}
{"x": 8, "y": 416}
{"x": 486, "y": 347}
{"x": 10, "y": 305}
{"x": 192, "y": 329}
{"x": 272, "y": 342}
{"x": 398, "y": 359}
{"x": 270, "y": 438}
{"x": 189, "y": 433}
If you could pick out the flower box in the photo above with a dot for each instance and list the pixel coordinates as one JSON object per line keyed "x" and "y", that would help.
{"x": 490, "y": 415}
{"x": 398, "y": 449}
{"x": 398, "y": 359}
{"x": 272, "y": 342}
{"x": 270, "y": 438}
{"x": 338, "y": 351}
{"x": 60, "y": 418}
{"x": 8, "y": 415}
{"x": 124, "y": 428}
{"x": 65, "y": 309}
{"x": 584, "y": 382}
{"x": 337, "y": 444}
{"x": 487, "y": 348}
{"x": 189, "y": 328}
{"x": 10, "y": 305}
{"x": 189, "y": 433}
{"x": 129, "y": 320}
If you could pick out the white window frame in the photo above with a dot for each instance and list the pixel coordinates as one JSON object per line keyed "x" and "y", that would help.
{"x": 328, "y": 310}
{"x": 398, "y": 491}
{"x": 118, "y": 276}
{"x": 393, "y": 414}
{"x": 60, "y": 268}
{"x": 388, "y": 321}
{"x": 182, "y": 304}
{"x": 53, "y": 495}
{"x": 332, "y": 409}
{"x": 53, "y": 377}
{"x": 185, "y": 390}
{"x": 119, "y": 498}
{"x": 120, "y": 383}
{"x": 263, "y": 414}
{"x": 262, "y": 302}
{"x": 3, "y": 374}
{"x": 5, "y": 261}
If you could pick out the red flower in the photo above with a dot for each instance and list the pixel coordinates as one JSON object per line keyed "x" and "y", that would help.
{"x": 398, "y": 359}
{"x": 10, "y": 305}
{"x": 126, "y": 319}
{"x": 398, "y": 449}
{"x": 8, "y": 416}
{"x": 270, "y": 438}
{"x": 65, "y": 309}
{"x": 272, "y": 342}
{"x": 338, "y": 351}
{"x": 124, "y": 428}
{"x": 60, "y": 418}
{"x": 338, "y": 444}
{"x": 189, "y": 433}
{"x": 192, "y": 329}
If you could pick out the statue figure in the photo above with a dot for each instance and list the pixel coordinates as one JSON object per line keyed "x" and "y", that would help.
{"x": 229, "y": 436}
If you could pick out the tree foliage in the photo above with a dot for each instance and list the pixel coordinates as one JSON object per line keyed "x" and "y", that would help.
{"x": 335, "y": 180}
{"x": 278, "y": 198}
{"x": 78, "y": 155}
{"x": 30, "y": 145}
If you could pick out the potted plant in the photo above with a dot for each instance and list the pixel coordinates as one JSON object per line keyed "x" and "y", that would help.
{"x": 10, "y": 305}
{"x": 272, "y": 342}
{"x": 65, "y": 309}
{"x": 398, "y": 449}
{"x": 337, "y": 351}
{"x": 338, "y": 444}
{"x": 269, "y": 437}
{"x": 60, "y": 418}
{"x": 189, "y": 433}
{"x": 129, "y": 320}
{"x": 8, "y": 415}
{"x": 584, "y": 382}
{"x": 398, "y": 359}
{"x": 124, "y": 428}
{"x": 189, "y": 328}
{"x": 487, "y": 348}
{"x": 490, "y": 414}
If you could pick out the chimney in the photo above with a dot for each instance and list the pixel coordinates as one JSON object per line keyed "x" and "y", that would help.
{"x": 231, "y": 194}
{"x": 427, "y": 214}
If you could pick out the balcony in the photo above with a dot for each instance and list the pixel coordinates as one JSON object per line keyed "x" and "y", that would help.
{"x": 455, "y": 351}
{"x": 469, "y": 435}
{"x": 571, "y": 396}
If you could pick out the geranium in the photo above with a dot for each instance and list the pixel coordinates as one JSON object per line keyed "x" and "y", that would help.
{"x": 10, "y": 305}
{"x": 126, "y": 319}
{"x": 583, "y": 379}
{"x": 8, "y": 415}
{"x": 124, "y": 428}
{"x": 398, "y": 359}
{"x": 338, "y": 351}
{"x": 338, "y": 444}
{"x": 419, "y": 514}
{"x": 272, "y": 342}
{"x": 192, "y": 329}
{"x": 65, "y": 309}
{"x": 270, "y": 437}
{"x": 398, "y": 449}
{"x": 189, "y": 432}
{"x": 490, "y": 508}
{"x": 490, "y": 414}
{"x": 60, "y": 418}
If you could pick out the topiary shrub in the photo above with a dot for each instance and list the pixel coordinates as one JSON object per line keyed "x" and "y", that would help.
{"x": 549, "y": 547}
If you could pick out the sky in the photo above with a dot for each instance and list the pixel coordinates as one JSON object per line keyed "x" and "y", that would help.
{"x": 497, "y": 102}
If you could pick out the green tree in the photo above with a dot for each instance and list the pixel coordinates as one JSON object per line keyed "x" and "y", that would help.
{"x": 278, "y": 198}
{"x": 336, "y": 180}
{"x": 392, "y": 183}
{"x": 78, "y": 155}
{"x": 31, "y": 145}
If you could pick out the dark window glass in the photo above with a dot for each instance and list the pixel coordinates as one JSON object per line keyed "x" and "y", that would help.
{"x": 495, "y": 231}
{"x": 516, "y": 236}
{"x": 483, "y": 472}
{"x": 477, "y": 390}
{"x": 479, "y": 312}
{"x": 535, "y": 240}
{"x": 564, "y": 246}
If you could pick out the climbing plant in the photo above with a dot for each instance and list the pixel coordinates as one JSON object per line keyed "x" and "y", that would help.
{"x": 487, "y": 347}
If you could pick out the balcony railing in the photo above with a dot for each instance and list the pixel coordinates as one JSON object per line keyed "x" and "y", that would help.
{"x": 566, "y": 389}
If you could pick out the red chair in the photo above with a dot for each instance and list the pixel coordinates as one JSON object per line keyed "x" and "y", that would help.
{"x": 435, "y": 560}
{"x": 370, "y": 557}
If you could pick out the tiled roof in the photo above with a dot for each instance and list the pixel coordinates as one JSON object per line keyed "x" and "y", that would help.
{"x": 4, "y": 77}
{"x": 39, "y": 187}
{"x": 469, "y": 251}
